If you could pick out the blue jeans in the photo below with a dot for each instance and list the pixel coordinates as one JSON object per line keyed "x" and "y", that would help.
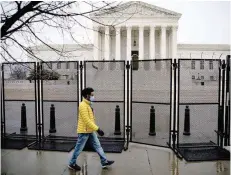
{"x": 81, "y": 142}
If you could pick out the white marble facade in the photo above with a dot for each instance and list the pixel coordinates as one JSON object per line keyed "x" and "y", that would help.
{"x": 150, "y": 33}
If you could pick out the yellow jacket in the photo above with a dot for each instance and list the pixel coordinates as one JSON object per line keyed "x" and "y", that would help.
{"x": 86, "y": 120}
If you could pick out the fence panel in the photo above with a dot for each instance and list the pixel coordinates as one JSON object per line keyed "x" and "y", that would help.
{"x": 198, "y": 101}
{"x": 151, "y": 101}
{"x": 60, "y": 94}
{"x": 19, "y": 99}
{"x": 107, "y": 78}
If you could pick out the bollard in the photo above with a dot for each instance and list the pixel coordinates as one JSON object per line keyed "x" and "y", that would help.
{"x": 117, "y": 121}
{"x": 52, "y": 119}
{"x": 187, "y": 122}
{"x": 152, "y": 128}
{"x": 220, "y": 119}
{"x": 23, "y": 118}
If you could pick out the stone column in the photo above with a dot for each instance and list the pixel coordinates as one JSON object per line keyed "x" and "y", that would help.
{"x": 96, "y": 43}
{"x": 152, "y": 42}
{"x": 129, "y": 30}
{"x": 118, "y": 45}
{"x": 163, "y": 42}
{"x": 107, "y": 43}
{"x": 141, "y": 43}
{"x": 174, "y": 41}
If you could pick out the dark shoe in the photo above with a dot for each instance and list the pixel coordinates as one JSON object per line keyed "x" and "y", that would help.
{"x": 74, "y": 167}
{"x": 109, "y": 162}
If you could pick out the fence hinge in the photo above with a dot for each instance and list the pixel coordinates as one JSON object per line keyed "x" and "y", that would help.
{"x": 223, "y": 65}
{"x": 174, "y": 65}
{"x": 128, "y": 128}
{"x": 174, "y": 137}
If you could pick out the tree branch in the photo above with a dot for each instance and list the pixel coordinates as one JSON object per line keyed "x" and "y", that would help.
{"x": 23, "y": 23}
{"x": 72, "y": 14}
{"x": 57, "y": 51}
{"x": 10, "y": 21}
{"x": 18, "y": 4}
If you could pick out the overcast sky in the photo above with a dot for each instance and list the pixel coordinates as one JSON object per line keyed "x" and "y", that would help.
{"x": 202, "y": 22}
{"x": 206, "y": 22}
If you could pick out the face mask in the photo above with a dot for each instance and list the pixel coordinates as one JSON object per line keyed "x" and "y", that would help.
{"x": 92, "y": 98}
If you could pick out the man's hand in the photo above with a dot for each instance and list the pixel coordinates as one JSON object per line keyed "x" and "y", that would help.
{"x": 100, "y": 132}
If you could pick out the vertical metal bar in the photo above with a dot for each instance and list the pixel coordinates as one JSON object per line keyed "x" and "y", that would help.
{"x": 223, "y": 103}
{"x": 81, "y": 79}
{"x": 128, "y": 125}
{"x": 42, "y": 101}
{"x": 3, "y": 102}
{"x": 77, "y": 83}
{"x": 227, "y": 100}
{"x": 178, "y": 101}
{"x": 131, "y": 104}
{"x": 229, "y": 110}
{"x": 124, "y": 66}
{"x": 85, "y": 74}
{"x": 170, "y": 121}
{"x": 39, "y": 115}
{"x": 36, "y": 101}
{"x": 219, "y": 101}
{"x": 2, "y": 133}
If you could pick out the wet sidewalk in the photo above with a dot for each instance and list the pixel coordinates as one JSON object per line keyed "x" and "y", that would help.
{"x": 137, "y": 160}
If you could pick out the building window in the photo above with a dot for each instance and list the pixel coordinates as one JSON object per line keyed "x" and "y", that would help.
{"x": 75, "y": 65}
{"x": 193, "y": 64}
{"x": 65, "y": 77}
{"x": 67, "y": 65}
{"x": 58, "y": 65}
{"x": 210, "y": 65}
{"x": 193, "y": 77}
{"x": 202, "y": 64}
{"x": 211, "y": 78}
{"x": 202, "y": 77}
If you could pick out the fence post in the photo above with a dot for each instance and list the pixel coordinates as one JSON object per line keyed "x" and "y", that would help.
{"x": 152, "y": 128}
{"x": 220, "y": 120}
{"x": 117, "y": 121}
{"x": 187, "y": 122}
{"x": 23, "y": 118}
{"x": 52, "y": 119}
{"x": 227, "y": 106}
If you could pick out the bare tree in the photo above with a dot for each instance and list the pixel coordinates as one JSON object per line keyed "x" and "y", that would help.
{"x": 18, "y": 72}
{"x": 21, "y": 18}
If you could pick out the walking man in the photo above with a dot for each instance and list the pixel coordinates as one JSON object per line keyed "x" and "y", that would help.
{"x": 86, "y": 130}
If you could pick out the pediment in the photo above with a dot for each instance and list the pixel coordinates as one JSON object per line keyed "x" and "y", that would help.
{"x": 137, "y": 9}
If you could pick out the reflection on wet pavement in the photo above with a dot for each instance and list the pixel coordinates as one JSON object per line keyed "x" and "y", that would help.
{"x": 138, "y": 160}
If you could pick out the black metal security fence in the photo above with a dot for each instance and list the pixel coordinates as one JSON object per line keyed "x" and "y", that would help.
{"x": 108, "y": 80}
{"x": 19, "y": 109}
{"x": 198, "y": 101}
{"x": 162, "y": 102}
{"x": 151, "y": 94}
{"x": 200, "y": 111}
{"x": 60, "y": 98}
